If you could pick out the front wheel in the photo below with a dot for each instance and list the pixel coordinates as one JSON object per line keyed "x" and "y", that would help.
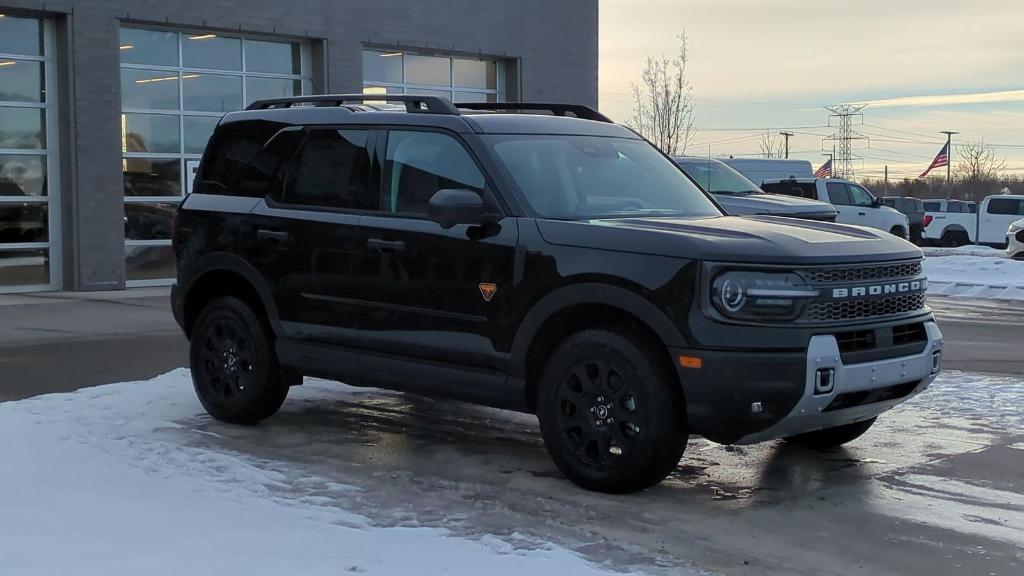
{"x": 832, "y": 437}
{"x": 612, "y": 419}
{"x": 234, "y": 366}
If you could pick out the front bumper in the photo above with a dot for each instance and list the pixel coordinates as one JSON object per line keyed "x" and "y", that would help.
{"x": 744, "y": 398}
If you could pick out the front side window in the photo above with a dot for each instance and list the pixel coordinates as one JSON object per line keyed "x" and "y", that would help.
{"x": 333, "y": 171}
{"x": 861, "y": 197}
{"x": 582, "y": 177}
{"x": 419, "y": 164}
{"x": 1005, "y": 206}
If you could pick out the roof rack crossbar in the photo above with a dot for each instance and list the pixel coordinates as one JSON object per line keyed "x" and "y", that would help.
{"x": 420, "y": 104}
{"x": 576, "y": 110}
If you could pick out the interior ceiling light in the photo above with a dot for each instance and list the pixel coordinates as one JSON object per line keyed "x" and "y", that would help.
{"x": 202, "y": 37}
{"x": 390, "y": 54}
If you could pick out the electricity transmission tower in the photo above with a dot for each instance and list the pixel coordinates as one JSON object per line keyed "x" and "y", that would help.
{"x": 842, "y": 164}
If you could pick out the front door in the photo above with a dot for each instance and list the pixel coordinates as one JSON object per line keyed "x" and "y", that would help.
{"x": 432, "y": 295}
{"x": 839, "y": 196}
{"x": 995, "y": 218}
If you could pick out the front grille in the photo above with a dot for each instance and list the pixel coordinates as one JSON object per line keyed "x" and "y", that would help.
{"x": 840, "y": 275}
{"x": 862, "y": 309}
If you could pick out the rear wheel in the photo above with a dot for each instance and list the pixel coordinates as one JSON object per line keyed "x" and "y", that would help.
{"x": 832, "y": 437}
{"x": 954, "y": 239}
{"x": 898, "y": 231}
{"x": 234, "y": 367}
{"x": 612, "y": 419}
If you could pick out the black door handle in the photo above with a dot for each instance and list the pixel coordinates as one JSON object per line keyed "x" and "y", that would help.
{"x": 385, "y": 245}
{"x": 275, "y": 235}
{"x": 862, "y": 213}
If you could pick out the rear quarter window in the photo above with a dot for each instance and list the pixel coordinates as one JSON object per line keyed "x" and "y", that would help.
{"x": 933, "y": 207}
{"x": 800, "y": 189}
{"x": 239, "y": 161}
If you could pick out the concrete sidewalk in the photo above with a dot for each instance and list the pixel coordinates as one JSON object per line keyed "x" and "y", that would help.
{"x": 61, "y": 341}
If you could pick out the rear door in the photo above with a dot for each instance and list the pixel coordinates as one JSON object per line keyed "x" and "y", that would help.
{"x": 431, "y": 295}
{"x": 311, "y": 232}
{"x": 995, "y": 218}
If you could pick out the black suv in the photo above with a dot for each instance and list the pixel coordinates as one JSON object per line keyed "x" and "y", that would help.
{"x": 538, "y": 258}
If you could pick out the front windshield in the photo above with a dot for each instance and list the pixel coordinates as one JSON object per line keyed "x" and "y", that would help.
{"x": 717, "y": 178}
{"x": 583, "y": 177}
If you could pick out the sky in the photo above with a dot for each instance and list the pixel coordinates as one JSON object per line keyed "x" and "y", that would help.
{"x": 921, "y": 66}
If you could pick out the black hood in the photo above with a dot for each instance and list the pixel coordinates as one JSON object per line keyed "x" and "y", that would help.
{"x": 752, "y": 239}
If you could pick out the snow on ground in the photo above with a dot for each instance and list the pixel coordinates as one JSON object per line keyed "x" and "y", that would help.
{"x": 100, "y": 481}
{"x": 974, "y": 272}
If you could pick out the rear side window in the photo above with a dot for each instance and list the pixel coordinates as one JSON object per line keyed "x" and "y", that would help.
{"x": 915, "y": 206}
{"x": 838, "y": 193}
{"x": 800, "y": 189}
{"x": 419, "y": 164}
{"x": 333, "y": 171}
{"x": 1006, "y": 206}
{"x": 891, "y": 203}
{"x": 933, "y": 207}
{"x": 239, "y": 161}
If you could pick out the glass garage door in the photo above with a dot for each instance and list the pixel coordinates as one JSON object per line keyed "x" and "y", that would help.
{"x": 457, "y": 78}
{"x": 29, "y": 186}
{"x": 175, "y": 86}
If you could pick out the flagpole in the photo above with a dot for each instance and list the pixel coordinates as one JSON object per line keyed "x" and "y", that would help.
{"x": 949, "y": 161}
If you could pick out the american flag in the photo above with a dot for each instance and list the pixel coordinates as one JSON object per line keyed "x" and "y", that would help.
{"x": 942, "y": 159}
{"x": 825, "y": 171}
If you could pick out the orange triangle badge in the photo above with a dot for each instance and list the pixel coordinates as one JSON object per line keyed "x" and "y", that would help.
{"x": 487, "y": 290}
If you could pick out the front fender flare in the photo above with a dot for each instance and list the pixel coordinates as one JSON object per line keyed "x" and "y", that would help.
{"x": 589, "y": 293}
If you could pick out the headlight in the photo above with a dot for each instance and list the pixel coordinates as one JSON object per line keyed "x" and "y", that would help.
{"x": 760, "y": 295}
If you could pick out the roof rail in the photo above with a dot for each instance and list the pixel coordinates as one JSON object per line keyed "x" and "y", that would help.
{"x": 419, "y": 104}
{"x": 571, "y": 110}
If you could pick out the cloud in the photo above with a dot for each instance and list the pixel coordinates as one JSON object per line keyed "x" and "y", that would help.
{"x": 950, "y": 99}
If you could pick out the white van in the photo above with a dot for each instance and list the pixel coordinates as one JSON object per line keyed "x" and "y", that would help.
{"x": 757, "y": 170}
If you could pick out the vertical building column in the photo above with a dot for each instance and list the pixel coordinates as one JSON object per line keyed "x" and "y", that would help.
{"x": 97, "y": 216}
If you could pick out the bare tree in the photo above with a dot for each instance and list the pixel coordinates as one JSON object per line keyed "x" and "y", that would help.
{"x": 772, "y": 145}
{"x": 663, "y": 101}
{"x": 977, "y": 162}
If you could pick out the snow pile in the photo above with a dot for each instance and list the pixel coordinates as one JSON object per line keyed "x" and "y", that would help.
{"x": 970, "y": 275}
{"x": 113, "y": 480}
{"x": 969, "y": 250}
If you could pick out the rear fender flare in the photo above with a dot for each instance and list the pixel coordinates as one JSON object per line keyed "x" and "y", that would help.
{"x": 224, "y": 262}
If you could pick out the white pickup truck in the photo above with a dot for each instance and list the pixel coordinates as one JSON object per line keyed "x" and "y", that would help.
{"x": 852, "y": 201}
{"x": 954, "y": 225}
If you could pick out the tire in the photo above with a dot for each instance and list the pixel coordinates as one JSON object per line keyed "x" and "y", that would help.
{"x": 234, "y": 366}
{"x": 898, "y": 231}
{"x": 600, "y": 393}
{"x": 832, "y": 437}
{"x": 953, "y": 239}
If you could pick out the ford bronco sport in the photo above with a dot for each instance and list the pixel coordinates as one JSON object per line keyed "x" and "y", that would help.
{"x": 538, "y": 258}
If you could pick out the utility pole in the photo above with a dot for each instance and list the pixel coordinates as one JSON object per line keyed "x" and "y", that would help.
{"x": 885, "y": 187}
{"x": 787, "y": 135}
{"x": 949, "y": 161}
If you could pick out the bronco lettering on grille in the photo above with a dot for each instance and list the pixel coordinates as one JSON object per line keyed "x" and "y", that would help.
{"x": 879, "y": 289}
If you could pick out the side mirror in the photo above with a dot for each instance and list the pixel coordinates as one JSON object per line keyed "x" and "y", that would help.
{"x": 456, "y": 206}
{"x": 876, "y": 202}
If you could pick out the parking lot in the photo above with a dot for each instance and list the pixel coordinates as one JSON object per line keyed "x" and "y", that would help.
{"x": 933, "y": 488}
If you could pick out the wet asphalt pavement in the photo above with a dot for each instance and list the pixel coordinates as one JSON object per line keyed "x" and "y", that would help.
{"x": 934, "y": 488}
